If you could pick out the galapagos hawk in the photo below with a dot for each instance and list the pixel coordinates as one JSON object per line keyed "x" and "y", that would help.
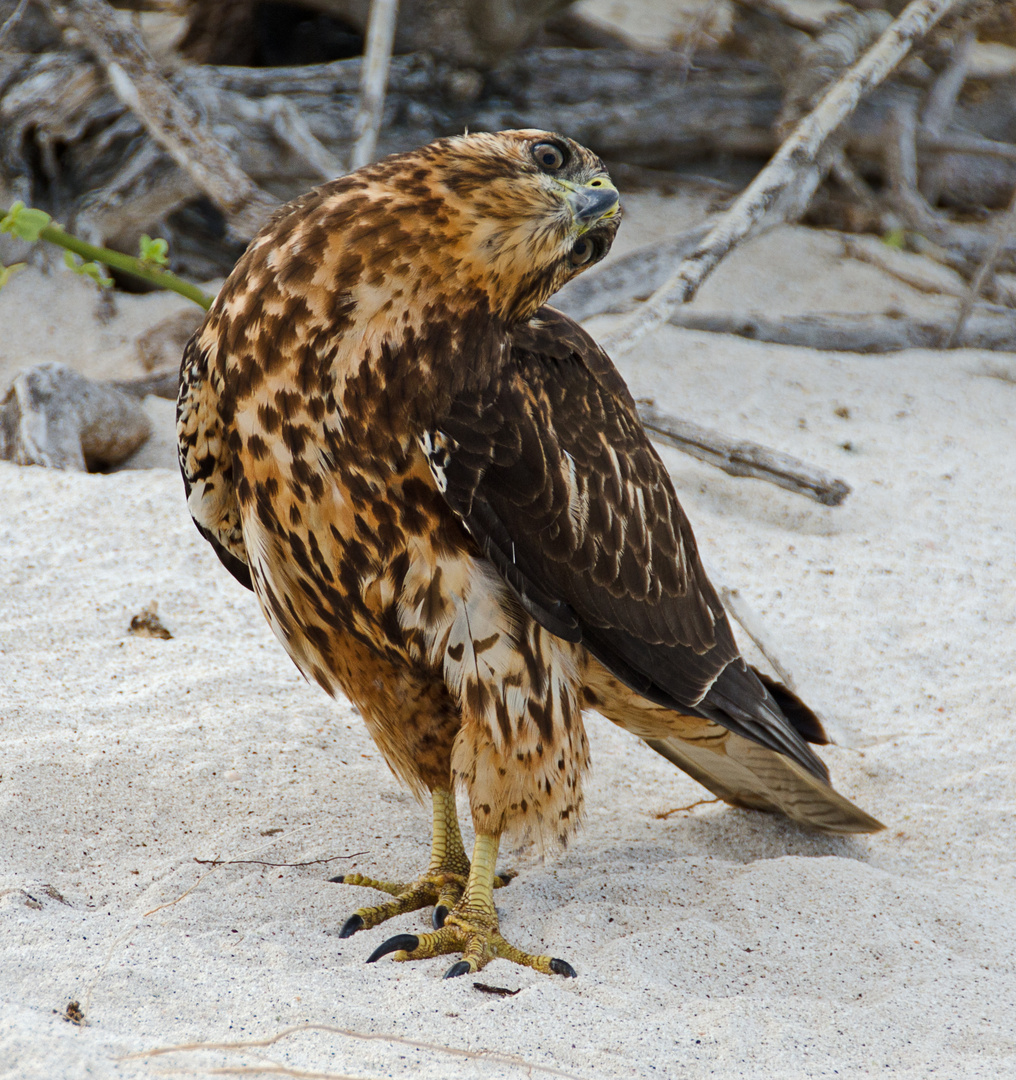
{"x": 439, "y": 490}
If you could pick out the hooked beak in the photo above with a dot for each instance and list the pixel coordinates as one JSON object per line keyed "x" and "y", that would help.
{"x": 591, "y": 202}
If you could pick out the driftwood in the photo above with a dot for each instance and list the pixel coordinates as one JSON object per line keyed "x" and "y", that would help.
{"x": 617, "y": 287}
{"x": 988, "y": 329}
{"x": 790, "y": 177}
{"x": 70, "y": 144}
{"x": 174, "y": 124}
{"x": 374, "y": 79}
{"x": 54, "y": 417}
{"x": 738, "y": 457}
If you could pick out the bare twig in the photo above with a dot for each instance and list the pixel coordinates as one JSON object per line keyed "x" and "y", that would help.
{"x": 374, "y": 79}
{"x": 174, "y": 124}
{"x": 664, "y": 814}
{"x": 1005, "y": 229}
{"x": 261, "y": 862}
{"x": 788, "y": 170}
{"x": 919, "y": 272}
{"x": 966, "y": 244}
{"x": 329, "y": 1029}
{"x": 738, "y": 457}
{"x": 750, "y": 622}
{"x": 496, "y": 991}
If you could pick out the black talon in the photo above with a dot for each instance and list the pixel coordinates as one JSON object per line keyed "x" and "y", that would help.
{"x": 438, "y": 917}
{"x": 461, "y": 968}
{"x": 562, "y": 967}
{"x": 506, "y": 876}
{"x": 338, "y": 880}
{"x": 406, "y": 942}
{"x": 351, "y": 925}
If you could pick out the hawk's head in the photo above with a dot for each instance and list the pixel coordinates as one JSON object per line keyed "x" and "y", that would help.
{"x": 518, "y": 213}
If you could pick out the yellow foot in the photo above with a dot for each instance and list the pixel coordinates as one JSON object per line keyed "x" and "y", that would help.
{"x": 471, "y": 927}
{"x": 441, "y": 884}
{"x": 442, "y": 888}
{"x": 474, "y": 934}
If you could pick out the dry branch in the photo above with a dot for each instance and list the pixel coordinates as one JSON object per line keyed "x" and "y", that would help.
{"x": 993, "y": 329}
{"x": 376, "y": 61}
{"x": 175, "y": 125}
{"x": 739, "y": 457}
{"x": 787, "y": 172}
{"x": 288, "y": 128}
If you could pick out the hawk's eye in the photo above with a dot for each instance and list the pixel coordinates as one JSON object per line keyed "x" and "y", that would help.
{"x": 582, "y": 252}
{"x": 549, "y": 156}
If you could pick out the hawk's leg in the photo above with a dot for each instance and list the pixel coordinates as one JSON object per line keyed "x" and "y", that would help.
{"x": 441, "y": 884}
{"x": 471, "y": 927}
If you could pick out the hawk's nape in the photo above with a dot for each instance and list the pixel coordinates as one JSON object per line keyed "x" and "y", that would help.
{"x": 441, "y": 494}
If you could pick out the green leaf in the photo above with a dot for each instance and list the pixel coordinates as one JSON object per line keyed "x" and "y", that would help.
{"x": 154, "y": 251}
{"x": 24, "y": 222}
{"x": 895, "y": 238}
{"x": 7, "y": 272}
{"x": 92, "y": 270}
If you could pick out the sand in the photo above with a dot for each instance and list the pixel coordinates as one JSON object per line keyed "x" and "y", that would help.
{"x": 712, "y": 942}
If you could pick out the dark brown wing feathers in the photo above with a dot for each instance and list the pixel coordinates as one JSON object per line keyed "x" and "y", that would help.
{"x": 551, "y": 471}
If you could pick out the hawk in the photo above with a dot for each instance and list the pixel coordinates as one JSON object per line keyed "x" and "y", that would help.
{"x": 440, "y": 493}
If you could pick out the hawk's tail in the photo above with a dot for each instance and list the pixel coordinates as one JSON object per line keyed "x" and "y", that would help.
{"x": 738, "y": 770}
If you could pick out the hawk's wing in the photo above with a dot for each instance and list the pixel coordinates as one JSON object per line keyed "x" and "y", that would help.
{"x": 206, "y": 463}
{"x": 551, "y": 471}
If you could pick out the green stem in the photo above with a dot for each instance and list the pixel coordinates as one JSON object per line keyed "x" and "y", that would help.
{"x": 128, "y": 263}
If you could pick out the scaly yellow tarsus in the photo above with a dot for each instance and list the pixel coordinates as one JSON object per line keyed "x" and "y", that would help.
{"x": 442, "y": 884}
{"x": 471, "y": 927}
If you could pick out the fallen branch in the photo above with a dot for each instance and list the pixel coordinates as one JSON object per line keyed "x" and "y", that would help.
{"x": 993, "y": 329}
{"x": 175, "y": 125}
{"x": 162, "y": 384}
{"x": 751, "y": 624}
{"x": 738, "y": 457}
{"x": 373, "y": 80}
{"x": 787, "y": 172}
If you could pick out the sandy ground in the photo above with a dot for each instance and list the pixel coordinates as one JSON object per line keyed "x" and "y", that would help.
{"x": 711, "y": 942}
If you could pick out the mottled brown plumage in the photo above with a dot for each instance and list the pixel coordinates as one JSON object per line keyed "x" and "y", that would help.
{"x": 440, "y": 492}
